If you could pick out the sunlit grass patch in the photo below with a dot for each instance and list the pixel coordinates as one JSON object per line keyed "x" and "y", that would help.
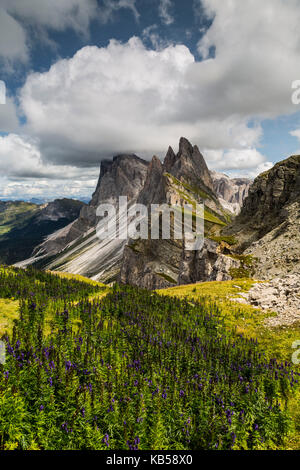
{"x": 77, "y": 277}
{"x": 8, "y": 313}
{"x": 214, "y": 289}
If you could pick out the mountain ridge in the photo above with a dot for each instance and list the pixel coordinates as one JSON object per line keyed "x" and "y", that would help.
{"x": 25, "y": 225}
{"x": 180, "y": 179}
{"x": 75, "y": 248}
{"x": 268, "y": 227}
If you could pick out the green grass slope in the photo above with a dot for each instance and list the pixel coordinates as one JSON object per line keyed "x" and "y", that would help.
{"x": 15, "y": 214}
{"x": 275, "y": 342}
{"x": 91, "y": 367}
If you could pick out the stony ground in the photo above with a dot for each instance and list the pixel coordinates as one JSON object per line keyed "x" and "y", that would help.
{"x": 280, "y": 295}
{"x": 277, "y": 253}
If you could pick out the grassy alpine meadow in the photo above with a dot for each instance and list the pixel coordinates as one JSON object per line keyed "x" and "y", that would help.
{"x": 91, "y": 367}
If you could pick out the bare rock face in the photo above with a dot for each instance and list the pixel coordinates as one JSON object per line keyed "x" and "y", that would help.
{"x": 268, "y": 203}
{"x": 189, "y": 165}
{"x": 277, "y": 252}
{"x": 170, "y": 160}
{"x": 151, "y": 264}
{"x": 153, "y": 191}
{"x": 123, "y": 176}
{"x": 208, "y": 264}
{"x": 281, "y": 295}
{"x": 76, "y": 248}
{"x": 268, "y": 227}
{"x": 231, "y": 191}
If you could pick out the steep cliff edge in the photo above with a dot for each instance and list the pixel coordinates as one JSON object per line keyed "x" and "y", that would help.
{"x": 268, "y": 227}
{"x": 231, "y": 191}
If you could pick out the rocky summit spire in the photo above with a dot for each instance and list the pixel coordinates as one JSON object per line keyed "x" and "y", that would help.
{"x": 153, "y": 191}
{"x": 185, "y": 147}
{"x": 169, "y": 160}
{"x": 189, "y": 165}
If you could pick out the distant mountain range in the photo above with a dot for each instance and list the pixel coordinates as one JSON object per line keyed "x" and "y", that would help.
{"x": 41, "y": 200}
{"x": 25, "y": 225}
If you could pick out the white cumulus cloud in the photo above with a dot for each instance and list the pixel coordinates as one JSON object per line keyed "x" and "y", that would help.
{"x": 20, "y": 157}
{"x": 127, "y": 98}
{"x": 121, "y": 98}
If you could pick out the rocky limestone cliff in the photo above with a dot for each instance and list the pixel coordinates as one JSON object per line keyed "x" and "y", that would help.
{"x": 181, "y": 179}
{"x": 231, "y": 191}
{"x": 207, "y": 264}
{"x": 124, "y": 175}
{"x": 268, "y": 227}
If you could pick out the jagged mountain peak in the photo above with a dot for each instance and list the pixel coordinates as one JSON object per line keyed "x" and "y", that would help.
{"x": 154, "y": 190}
{"x": 188, "y": 165}
{"x": 182, "y": 178}
{"x": 155, "y": 162}
{"x": 124, "y": 175}
{"x": 169, "y": 160}
{"x": 185, "y": 146}
{"x": 108, "y": 165}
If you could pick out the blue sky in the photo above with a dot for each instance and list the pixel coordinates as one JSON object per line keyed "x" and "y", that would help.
{"x": 87, "y": 79}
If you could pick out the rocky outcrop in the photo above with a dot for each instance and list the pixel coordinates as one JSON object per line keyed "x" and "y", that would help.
{"x": 123, "y": 176}
{"x": 207, "y": 264}
{"x": 154, "y": 190}
{"x": 281, "y": 295}
{"x": 268, "y": 204}
{"x": 278, "y": 251}
{"x": 68, "y": 209}
{"x": 268, "y": 227}
{"x": 231, "y": 191}
{"x": 151, "y": 264}
{"x": 189, "y": 165}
